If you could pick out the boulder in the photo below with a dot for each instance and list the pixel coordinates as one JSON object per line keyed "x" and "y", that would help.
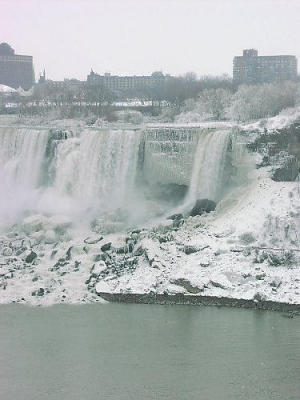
{"x": 40, "y": 292}
{"x": 106, "y": 246}
{"x": 259, "y": 297}
{"x": 286, "y": 168}
{"x": 175, "y": 216}
{"x": 98, "y": 268}
{"x": 139, "y": 251}
{"x": 49, "y": 236}
{"x": 190, "y": 249}
{"x": 177, "y": 223}
{"x": 220, "y": 281}
{"x": 103, "y": 287}
{"x": 203, "y": 206}
{"x": 33, "y": 224}
{"x": 7, "y": 251}
{"x": 93, "y": 239}
{"x": 74, "y": 251}
{"x": 59, "y": 223}
{"x": 30, "y": 257}
{"x": 187, "y": 285}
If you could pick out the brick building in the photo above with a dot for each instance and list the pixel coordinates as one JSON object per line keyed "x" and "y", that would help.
{"x": 15, "y": 70}
{"x": 117, "y": 83}
{"x": 252, "y": 68}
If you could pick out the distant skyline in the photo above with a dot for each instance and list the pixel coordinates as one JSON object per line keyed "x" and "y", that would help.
{"x": 137, "y": 37}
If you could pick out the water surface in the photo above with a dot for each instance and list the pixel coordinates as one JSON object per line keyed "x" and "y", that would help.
{"x": 141, "y": 352}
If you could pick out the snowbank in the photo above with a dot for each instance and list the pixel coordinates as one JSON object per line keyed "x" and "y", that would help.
{"x": 6, "y": 89}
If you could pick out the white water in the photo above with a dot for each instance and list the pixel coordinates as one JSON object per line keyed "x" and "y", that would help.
{"x": 107, "y": 167}
{"x": 209, "y": 166}
{"x": 22, "y": 154}
{"x": 94, "y": 174}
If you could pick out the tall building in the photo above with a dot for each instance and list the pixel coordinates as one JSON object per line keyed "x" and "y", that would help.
{"x": 117, "y": 83}
{"x": 252, "y": 68}
{"x": 15, "y": 70}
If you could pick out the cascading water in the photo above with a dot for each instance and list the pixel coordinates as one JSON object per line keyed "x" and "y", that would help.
{"x": 107, "y": 166}
{"x": 22, "y": 155}
{"x": 209, "y": 165}
{"x": 98, "y": 169}
{"x": 93, "y": 175}
{"x": 47, "y": 172}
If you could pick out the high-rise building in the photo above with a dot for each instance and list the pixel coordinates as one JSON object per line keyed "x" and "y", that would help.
{"x": 252, "y": 68}
{"x": 15, "y": 70}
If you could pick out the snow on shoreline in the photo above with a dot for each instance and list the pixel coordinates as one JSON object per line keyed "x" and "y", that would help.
{"x": 221, "y": 262}
{"x": 229, "y": 253}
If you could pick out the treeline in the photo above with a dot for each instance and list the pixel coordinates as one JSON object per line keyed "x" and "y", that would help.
{"x": 248, "y": 102}
{"x": 72, "y": 98}
{"x": 181, "y": 99}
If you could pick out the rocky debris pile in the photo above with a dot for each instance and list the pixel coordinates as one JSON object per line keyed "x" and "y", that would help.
{"x": 46, "y": 258}
{"x": 284, "y": 167}
{"x": 42, "y": 229}
{"x": 280, "y": 149}
{"x": 203, "y": 206}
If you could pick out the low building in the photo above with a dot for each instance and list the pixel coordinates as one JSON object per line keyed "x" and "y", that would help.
{"x": 252, "y": 68}
{"x": 117, "y": 83}
{"x": 15, "y": 70}
{"x": 66, "y": 84}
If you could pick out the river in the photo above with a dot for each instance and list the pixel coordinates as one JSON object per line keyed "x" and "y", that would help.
{"x": 147, "y": 352}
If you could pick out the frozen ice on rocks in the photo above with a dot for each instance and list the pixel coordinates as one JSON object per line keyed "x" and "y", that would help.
{"x": 59, "y": 223}
{"x": 103, "y": 287}
{"x": 50, "y": 236}
{"x": 93, "y": 239}
{"x": 77, "y": 251}
{"x": 34, "y": 223}
{"x": 220, "y": 281}
{"x": 7, "y": 251}
{"x": 98, "y": 268}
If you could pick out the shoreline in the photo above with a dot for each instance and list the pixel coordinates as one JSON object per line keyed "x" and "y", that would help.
{"x": 182, "y": 299}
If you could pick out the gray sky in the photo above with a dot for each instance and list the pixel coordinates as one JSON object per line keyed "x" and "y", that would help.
{"x": 68, "y": 37}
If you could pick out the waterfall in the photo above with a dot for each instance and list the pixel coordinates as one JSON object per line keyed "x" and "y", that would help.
{"x": 209, "y": 166}
{"x": 22, "y": 155}
{"x": 47, "y": 171}
{"x": 108, "y": 165}
{"x": 93, "y": 175}
{"x": 22, "y": 152}
{"x": 98, "y": 167}
{"x": 169, "y": 154}
{"x": 65, "y": 165}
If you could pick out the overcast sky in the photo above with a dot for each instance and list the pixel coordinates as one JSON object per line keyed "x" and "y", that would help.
{"x": 135, "y": 37}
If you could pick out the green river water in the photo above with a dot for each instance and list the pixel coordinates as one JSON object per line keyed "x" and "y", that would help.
{"x": 147, "y": 352}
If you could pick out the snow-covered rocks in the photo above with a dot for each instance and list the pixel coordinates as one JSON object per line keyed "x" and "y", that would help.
{"x": 34, "y": 223}
{"x": 98, "y": 268}
{"x": 103, "y": 287}
{"x": 7, "y": 251}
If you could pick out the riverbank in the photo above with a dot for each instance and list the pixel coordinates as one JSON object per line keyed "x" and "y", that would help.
{"x": 181, "y": 299}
